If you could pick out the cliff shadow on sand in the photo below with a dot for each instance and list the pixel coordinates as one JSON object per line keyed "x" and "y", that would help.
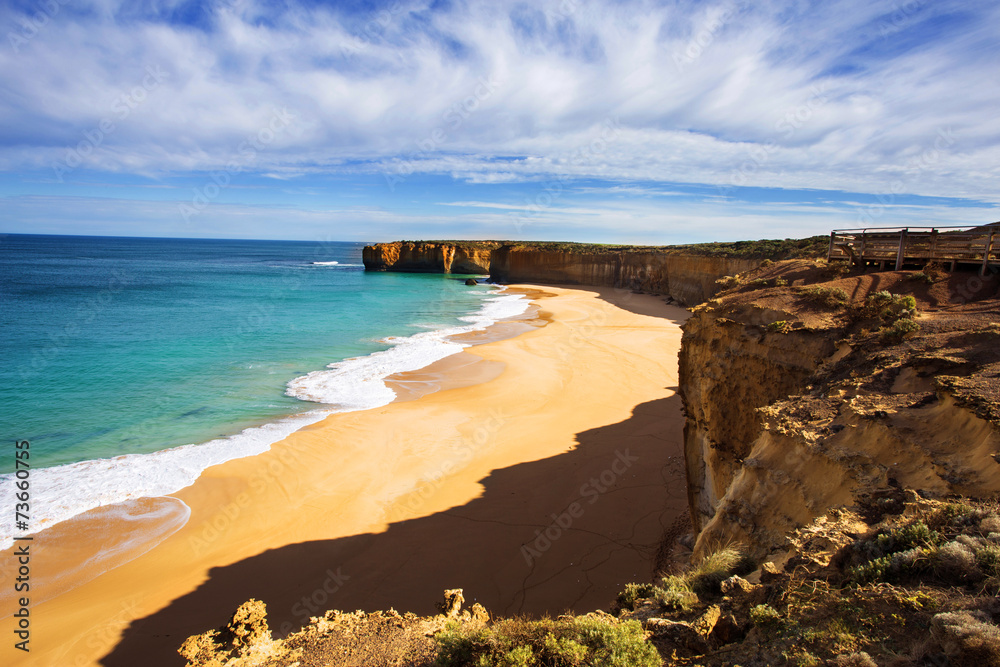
{"x": 565, "y": 532}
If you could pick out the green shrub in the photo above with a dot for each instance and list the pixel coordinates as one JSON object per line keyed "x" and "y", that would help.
{"x": 575, "y": 642}
{"x": 780, "y": 282}
{"x": 886, "y": 307}
{"x": 709, "y": 573}
{"x": 680, "y": 592}
{"x": 896, "y": 552}
{"x": 955, "y": 563}
{"x": 726, "y": 282}
{"x": 768, "y": 619}
{"x": 781, "y": 326}
{"x": 956, "y": 515}
{"x": 900, "y": 330}
{"x": 829, "y": 297}
{"x": 988, "y": 559}
{"x": 678, "y": 600}
{"x": 921, "y": 276}
{"x": 627, "y": 598}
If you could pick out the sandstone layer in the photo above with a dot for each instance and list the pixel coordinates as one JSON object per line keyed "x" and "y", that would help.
{"x": 688, "y": 279}
{"x": 421, "y": 257}
{"x": 687, "y": 274}
{"x": 795, "y": 407}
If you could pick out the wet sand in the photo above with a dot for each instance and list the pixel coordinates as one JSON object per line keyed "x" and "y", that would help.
{"x": 539, "y": 476}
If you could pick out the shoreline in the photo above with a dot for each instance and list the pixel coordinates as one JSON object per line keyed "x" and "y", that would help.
{"x": 307, "y": 515}
{"x": 186, "y": 461}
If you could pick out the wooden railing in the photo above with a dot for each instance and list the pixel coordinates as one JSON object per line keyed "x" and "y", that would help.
{"x": 917, "y": 245}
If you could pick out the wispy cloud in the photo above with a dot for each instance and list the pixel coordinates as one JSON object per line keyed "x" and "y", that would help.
{"x": 879, "y": 98}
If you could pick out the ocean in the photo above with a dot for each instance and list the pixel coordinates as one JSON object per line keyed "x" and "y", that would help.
{"x": 132, "y": 364}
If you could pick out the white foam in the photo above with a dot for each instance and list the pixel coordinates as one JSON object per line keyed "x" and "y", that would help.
{"x": 61, "y": 492}
{"x": 325, "y": 263}
{"x": 357, "y": 383}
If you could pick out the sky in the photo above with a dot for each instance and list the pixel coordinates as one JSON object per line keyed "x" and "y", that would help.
{"x": 634, "y": 121}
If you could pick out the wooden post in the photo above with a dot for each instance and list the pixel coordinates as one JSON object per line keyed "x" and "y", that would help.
{"x": 902, "y": 249}
{"x": 986, "y": 255}
{"x": 933, "y": 249}
{"x": 861, "y": 257}
{"x": 829, "y": 253}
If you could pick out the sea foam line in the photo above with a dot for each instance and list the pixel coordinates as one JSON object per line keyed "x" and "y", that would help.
{"x": 62, "y": 492}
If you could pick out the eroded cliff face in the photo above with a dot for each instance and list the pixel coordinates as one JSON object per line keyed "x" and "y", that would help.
{"x": 795, "y": 408}
{"x": 421, "y": 257}
{"x": 729, "y": 367}
{"x": 689, "y": 279}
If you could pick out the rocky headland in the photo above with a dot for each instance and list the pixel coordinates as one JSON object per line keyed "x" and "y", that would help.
{"x": 687, "y": 274}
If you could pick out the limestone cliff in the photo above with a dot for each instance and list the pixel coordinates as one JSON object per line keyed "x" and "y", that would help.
{"x": 688, "y": 274}
{"x": 430, "y": 257}
{"x": 795, "y": 405}
{"x": 688, "y": 278}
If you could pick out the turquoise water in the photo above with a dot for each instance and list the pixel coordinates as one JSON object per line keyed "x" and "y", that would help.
{"x": 123, "y": 346}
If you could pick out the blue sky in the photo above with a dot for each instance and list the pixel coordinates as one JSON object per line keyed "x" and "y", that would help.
{"x": 640, "y": 122}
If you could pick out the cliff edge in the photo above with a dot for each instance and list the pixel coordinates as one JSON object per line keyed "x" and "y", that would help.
{"x": 466, "y": 257}
{"x": 687, "y": 274}
{"x": 806, "y": 391}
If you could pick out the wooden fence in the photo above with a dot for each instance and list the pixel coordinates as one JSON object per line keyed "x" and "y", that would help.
{"x": 899, "y": 246}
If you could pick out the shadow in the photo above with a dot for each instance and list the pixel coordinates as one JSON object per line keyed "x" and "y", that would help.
{"x": 613, "y": 497}
{"x": 641, "y": 303}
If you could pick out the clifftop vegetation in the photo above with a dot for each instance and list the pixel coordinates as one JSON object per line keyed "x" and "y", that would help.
{"x": 775, "y": 249}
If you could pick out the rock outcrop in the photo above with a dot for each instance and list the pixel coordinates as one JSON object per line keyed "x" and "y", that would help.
{"x": 430, "y": 257}
{"x": 335, "y": 639}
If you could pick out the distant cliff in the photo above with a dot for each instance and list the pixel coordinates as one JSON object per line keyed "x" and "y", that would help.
{"x": 685, "y": 273}
{"x": 430, "y": 257}
{"x": 689, "y": 279}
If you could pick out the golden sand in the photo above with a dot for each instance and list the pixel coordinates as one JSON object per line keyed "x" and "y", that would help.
{"x": 539, "y": 476}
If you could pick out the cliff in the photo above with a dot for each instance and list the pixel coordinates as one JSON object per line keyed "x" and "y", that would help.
{"x": 803, "y": 394}
{"x": 688, "y": 279}
{"x": 430, "y": 257}
{"x": 688, "y": 274}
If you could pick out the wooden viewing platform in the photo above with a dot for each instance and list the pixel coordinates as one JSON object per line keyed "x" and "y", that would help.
{"x": 899, "y": 246}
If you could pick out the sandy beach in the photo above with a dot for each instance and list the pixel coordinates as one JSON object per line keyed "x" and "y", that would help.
{"x": 538, "y": 476}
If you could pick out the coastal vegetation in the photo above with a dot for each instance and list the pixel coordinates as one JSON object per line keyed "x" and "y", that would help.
{"x": 570, "y": 641}
{"x": 905, "y": 581}
{"x": 770, "y": 249}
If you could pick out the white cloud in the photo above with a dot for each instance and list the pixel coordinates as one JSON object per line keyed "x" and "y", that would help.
{"x": 844, "y": 95}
